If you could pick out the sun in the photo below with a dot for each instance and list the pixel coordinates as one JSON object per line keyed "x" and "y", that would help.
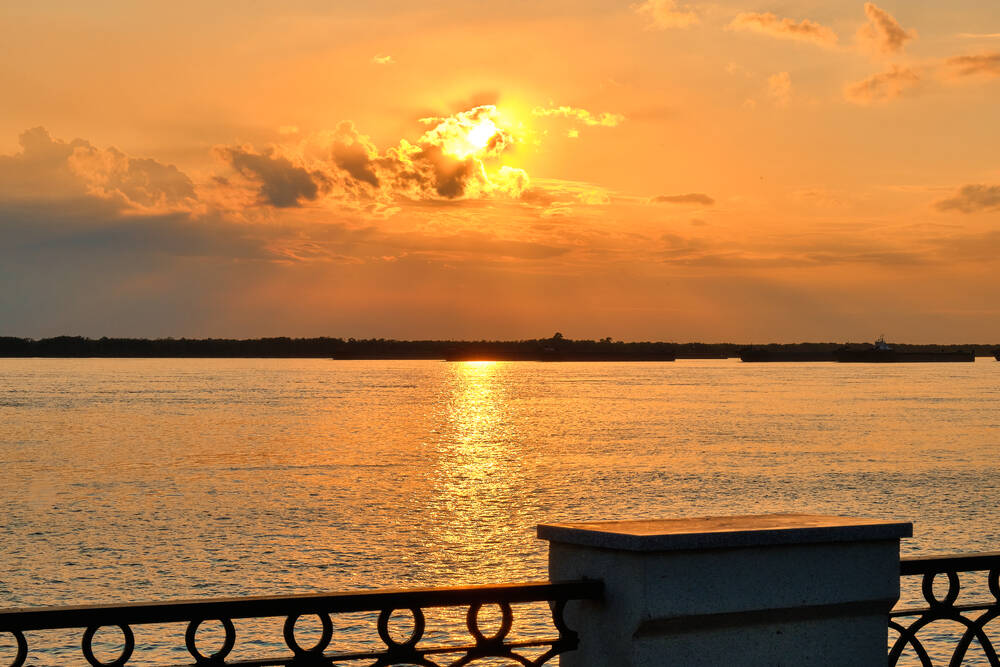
{"x": 478, "y": 133}
{"x": 471, "y": 139}
{"x": 479, "y": 136}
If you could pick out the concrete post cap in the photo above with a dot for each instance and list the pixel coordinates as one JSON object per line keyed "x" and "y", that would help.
{"x": 723, "y": 532}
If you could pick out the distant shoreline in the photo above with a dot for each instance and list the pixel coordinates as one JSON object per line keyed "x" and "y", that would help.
{"x": 556, "y": 348}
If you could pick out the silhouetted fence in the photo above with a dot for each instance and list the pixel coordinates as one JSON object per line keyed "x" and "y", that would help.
{"x": 407, "y": 650}
{"x": 946, "y": 615}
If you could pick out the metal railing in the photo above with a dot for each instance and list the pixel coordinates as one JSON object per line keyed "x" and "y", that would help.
{"x": 913, "y": 626}
{"x": 409, "y": 651}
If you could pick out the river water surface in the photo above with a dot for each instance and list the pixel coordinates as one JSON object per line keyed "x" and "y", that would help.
{"x": 145, "y": 479}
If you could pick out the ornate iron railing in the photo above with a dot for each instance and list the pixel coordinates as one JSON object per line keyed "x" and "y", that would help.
{"x": 971, "y": 617}
{"x": 409, "y": 651}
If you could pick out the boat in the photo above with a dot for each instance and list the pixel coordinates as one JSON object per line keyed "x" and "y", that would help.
{"x": 883, "y": 353}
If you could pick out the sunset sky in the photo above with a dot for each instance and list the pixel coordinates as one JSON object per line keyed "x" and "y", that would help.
{"x": 720, "y": 171}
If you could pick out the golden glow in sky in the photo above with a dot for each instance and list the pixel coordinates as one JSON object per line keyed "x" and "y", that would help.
{"x": 474, "y": 136}
{"x": 654, "y": 170}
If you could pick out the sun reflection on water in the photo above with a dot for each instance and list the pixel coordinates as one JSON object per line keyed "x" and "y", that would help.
{"x": 479, "y": 503}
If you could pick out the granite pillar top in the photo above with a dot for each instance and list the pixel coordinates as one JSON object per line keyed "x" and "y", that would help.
{"x": 723, "y": 532}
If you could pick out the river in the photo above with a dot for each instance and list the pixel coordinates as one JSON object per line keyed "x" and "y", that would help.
{"x": 144, "y": 479}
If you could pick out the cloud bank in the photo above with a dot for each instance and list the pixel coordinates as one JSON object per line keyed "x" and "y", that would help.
{"x": 449, "y": 161}
{"x": 51, "y": 168}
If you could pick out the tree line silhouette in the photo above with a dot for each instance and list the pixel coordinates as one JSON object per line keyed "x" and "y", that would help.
{"x": 555, "y": 348}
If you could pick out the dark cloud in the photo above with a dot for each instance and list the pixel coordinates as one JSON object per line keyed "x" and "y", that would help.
{"x": 282, "y": 183}
{"x": 450, "y": 175}
{"x": 968, "y": 65}
{"x": 355, "y": 154}
{"x": 972, "y": 198}
{"x": 689, "y": 198}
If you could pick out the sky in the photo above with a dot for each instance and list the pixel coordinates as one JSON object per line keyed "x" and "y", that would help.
{"x": 741, "y": 171}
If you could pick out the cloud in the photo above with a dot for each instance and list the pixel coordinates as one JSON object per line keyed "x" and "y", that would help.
{"x": 52, "y": 168}
{"x": 987, "y": 64}
{"x": 282, "y": 184}
{"x": 551, "y": 192}
{"x": 383, "y": 60}
{"x": 883, "y": 33}
{"x": 883, "y": 86}
{"x": 979, "y": 35}
{"x": 779, "y": 87}
{"x": 557, "y": 210}
{"x": 664, "y": 14}
{"x": 690, "y": 198}
{"x": 141, "y": 181}
{"x": 582, "y": 115}
{"x": 448, "y": 162}
{"x": 784, "y": 28}
{"x": 355, "y": 153}
{"x": 972, "y": 198}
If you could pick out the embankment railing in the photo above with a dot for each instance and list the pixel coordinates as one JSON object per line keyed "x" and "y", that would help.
{"x": 410, "y": 650}
{"x": 916, "y": 634}
{"x": 913, "y": 627}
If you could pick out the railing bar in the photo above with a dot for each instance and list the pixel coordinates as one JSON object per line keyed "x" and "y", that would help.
{"x": 368, "y": 655}
{"x": 949, "y": 563}
{"x": 982, "y": 606}
{"x": 258, "y": 662}
{"x": 438, "y": 650}
{"x": 526, "y": 643}
{"x": 268, "y": 606}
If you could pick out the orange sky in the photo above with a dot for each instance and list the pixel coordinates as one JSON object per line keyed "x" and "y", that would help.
{"x": 661, "y": 170}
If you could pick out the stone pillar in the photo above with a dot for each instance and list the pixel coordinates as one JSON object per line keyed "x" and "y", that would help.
{"x": 784, "y": 589}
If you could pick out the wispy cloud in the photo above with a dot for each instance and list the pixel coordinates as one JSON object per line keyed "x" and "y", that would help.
{"x": 986, "y": 64}
{"x": 665, "y": 14}
{"x": 972, "y": 199}
{"x": 779, "y": 87}
{"x": 883, "y": 33}
{"x": 603, "y": 119}
{"x": 884, "y": 86}
{"x": 784, "y": 28}
{"x": 698, "y": 198}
